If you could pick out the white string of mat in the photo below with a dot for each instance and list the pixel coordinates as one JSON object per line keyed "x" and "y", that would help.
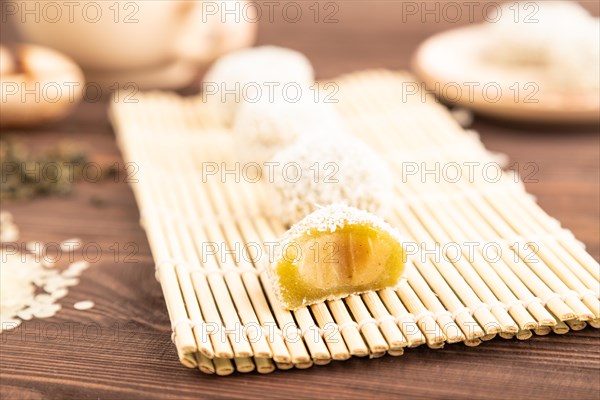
{"x": 409, "y": 317}
{"x": 399, "y": 320}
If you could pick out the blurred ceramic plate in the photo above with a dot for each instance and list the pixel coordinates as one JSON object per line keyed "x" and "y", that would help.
{"x": 453, "y": 65}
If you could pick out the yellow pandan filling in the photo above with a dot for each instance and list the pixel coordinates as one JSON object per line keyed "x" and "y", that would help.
{"x": 323, "y": 265}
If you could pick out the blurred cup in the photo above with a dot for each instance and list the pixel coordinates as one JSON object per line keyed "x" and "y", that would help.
{"x": 154, "y": 44}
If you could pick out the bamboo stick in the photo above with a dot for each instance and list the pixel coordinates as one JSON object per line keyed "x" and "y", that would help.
{"x": 284, "y": 366}
{"x": 472, "y": 342}
{"x": 441, "y": 315}
{"x": 386, "y": 322}
{"x": 231, "y": 320}
{"x": 488, "y": 271}
{"x": 519, "y": 266}
{"x": 244, "y": 364}
{"x": 560, "y": 328}
{"x": 587, "y": 266}
{"x": 576, "y": 325}
{"x": 264, "y": 365}
{"x": 404, "y": 320}
{"x": 322, "y": 361}
{"x": 546, "y": 265}
{"x": 367, "y": 325}
{"x": 255, "y": 291}
{"x": 423, "y": 317}
{"x": 197, "y": 322}
{"x": 183, "y": 336}
{"x": 349, "y": 328}
{"x": 485, "y": 338}
{"x": 332, "y": 335}
{"x": 456, "y": 282}
{"x": 309, "y": 330}
{"x": 230, "y": 235}
{"x": 223, "y": 350}
{"x": 205, "y": 364}
{"x": 217, "y": 335}
{"x": 304, "y": 365}
{"x": 285, "y": 320}
{"x": 191, "y": 302}
{"x": 460, "y": 313}
{"x": 223, "y": 366}
{"x": 506, "y": 335}
{"x": 524, "y": 334}
{"x": 543, "y": 330}
{"x": 491, "y": 279}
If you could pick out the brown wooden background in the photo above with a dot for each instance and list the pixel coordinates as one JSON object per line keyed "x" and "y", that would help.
{"x": 121, "y": 348}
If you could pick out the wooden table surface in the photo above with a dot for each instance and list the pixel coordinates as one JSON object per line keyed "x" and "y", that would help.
{"x": 122, "y": 348}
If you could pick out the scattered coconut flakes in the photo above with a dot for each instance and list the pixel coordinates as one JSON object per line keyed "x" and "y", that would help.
{"x": 21, "y": 275}
{"x": 463, "y": 116}
{"x": 9, "y": 233}
{"x": 71, "y": 282}
{"x": 59, "y": 293}
{"x": 49, "y": 273}
{"x": 25, "y": 314}
{"x": 55, "y": 282}
{"x": 68, "y": 273}
{"x": 44, "y": 298}
{"x": 43, "y": 312}
{"x": 75, "y": 269}
{"x": 16, "y": 286}
{"x": 51, "y": 288}
{"x": 84, "y": 305}
{"x": 8, "y": 230}
{"x": 80, "y": 265}
{"x": 54, "y": 306}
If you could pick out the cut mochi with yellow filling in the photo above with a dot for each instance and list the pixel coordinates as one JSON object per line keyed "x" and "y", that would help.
{"x": 334, "y": 252}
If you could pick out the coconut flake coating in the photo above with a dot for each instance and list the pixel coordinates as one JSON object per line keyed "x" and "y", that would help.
{"x": 560, "y": 36}
{"x": 327, "y": 169}
{"x": 332, "y": 217}
{"x": 250, "y": 68}
{"x": 263, "y": 128}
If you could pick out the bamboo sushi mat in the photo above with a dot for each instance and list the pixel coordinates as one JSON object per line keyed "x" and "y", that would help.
{"x": 524, "y": 274}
